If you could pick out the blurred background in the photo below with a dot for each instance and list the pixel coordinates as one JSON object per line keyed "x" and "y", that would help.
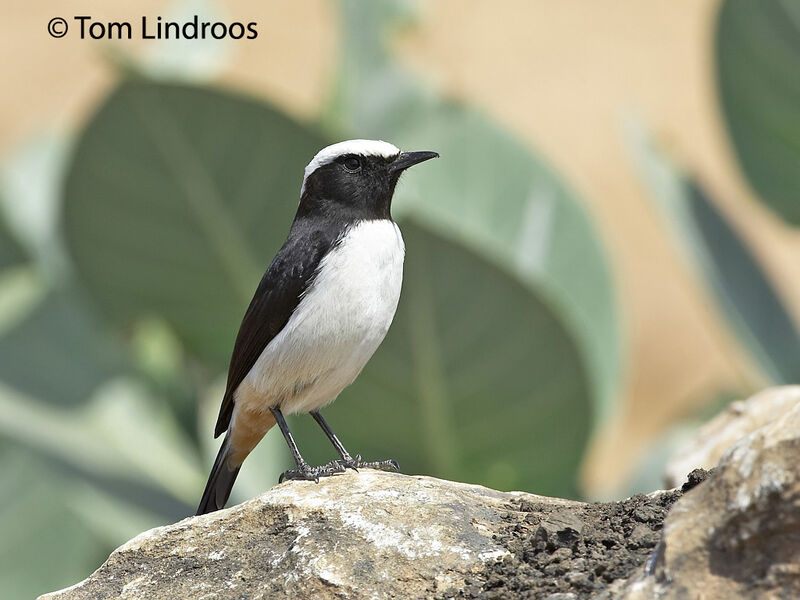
{"x": 605, "y": 255}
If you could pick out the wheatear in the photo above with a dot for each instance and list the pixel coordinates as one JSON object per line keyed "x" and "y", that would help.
{"x": 321, "y": 310}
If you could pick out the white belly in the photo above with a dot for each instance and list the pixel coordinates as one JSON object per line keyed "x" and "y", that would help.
{"x": 340, "y": 322}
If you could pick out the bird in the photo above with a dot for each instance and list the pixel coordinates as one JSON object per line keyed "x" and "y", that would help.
{"x": 319, "y": 313}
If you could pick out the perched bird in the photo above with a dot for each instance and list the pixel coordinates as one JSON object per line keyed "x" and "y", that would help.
{"x": 321, "y": 310}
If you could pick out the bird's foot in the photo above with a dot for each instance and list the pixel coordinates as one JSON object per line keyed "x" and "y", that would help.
{"x": 356, "y": 464}
{"x": 306, "y": 472}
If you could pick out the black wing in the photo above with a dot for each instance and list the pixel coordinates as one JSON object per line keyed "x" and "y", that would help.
{"x": 275, "y": 299}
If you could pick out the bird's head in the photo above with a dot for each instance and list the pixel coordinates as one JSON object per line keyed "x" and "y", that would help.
{"x": 357, "y": 177}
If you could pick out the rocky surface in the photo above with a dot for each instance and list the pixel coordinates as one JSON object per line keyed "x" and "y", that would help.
{"x": 738, "y": 534}
{"x": 738, "y": 420}
{"x": 357, "y": 535}
{"x": 384, "y": 535}
{"x": 733, "y": 533}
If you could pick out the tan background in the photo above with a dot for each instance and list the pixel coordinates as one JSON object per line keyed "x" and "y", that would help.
{"x": 563, "y": 75}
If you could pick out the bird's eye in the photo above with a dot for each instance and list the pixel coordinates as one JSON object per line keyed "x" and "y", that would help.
{"x": 352, "y": 164}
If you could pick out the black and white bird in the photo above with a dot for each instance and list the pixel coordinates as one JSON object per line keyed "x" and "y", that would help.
{"x": 321, "y": 310}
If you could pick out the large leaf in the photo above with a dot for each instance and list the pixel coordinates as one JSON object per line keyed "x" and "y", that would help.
{"x": 58, "y": 352}
{"x": 44, "y": 545}
{"x": 737, "y": 280}
{"x": 61, "y": 515}
{"x": 176, "y": 199}
{"x": 120, "y": 434}
{"x": 757, "y": 58}
{"x": 30, "y": 183}
{"x": 18, "y": 283}
{"x": 11, "y": 253}
{"x": 488, "y": 192}
{"x": 475, "y": 381}
{"x": 56, "y": 527}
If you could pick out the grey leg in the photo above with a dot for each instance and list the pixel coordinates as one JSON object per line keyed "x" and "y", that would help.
{"x": 347, "y": 460}
{"x": 304, "y": 471}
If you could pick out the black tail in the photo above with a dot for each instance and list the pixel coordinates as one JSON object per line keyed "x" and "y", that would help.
{"x": 220, "y": 482}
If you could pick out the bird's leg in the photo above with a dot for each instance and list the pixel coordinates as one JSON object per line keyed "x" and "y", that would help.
{"x": 347, "y": 460}
{"x": 304, "y": 470}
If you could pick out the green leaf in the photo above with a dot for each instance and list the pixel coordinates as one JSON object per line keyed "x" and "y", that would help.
{"x": 31, "y": 177}
{"x": 44, "y": 546}
{"x": 753, "y": 308}
{"x": 120, "y": 433}
{"x": 21, "y": 290}
{"x": 488, "y": 191}
{"x": 176, "y": 199}
{"x": 11, "y": 253}
{"x": 59, "y": 352}
{"x": 757, "y": 57}
{"x": 475, "y": 381}
{"x": 113, "y": 520}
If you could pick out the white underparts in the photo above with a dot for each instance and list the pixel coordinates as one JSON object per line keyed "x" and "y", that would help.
{"x": 339, "y": 323}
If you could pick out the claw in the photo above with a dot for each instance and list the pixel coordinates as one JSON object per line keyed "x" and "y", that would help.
{"x": 308, "y": 473}
{"x": 349, "y": 462}
{"x": 380, "y": 465}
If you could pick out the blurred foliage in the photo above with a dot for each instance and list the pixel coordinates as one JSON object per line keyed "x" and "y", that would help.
{"x": 748, "y": 300}
{"x": 11, "y": 253}
{"x": 757, "y": 54}
{"x": 44, "y": 545}
{"x": 62, "y": 334}
{"x": 178, "y": 221}
{"x": 757, "y": 58}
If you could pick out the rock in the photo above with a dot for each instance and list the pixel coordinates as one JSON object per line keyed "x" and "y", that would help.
{"x": 643, "y": 537}
{"x": 738, "y": 420}
{"x": 358, "y": 535}
{"x": 695, "y": 478}
{"x": 383, "y": 535}
{"x": 737, "y": 535}
{"x": 561, "y": 530}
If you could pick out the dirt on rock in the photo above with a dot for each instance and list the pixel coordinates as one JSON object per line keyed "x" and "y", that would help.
{"x": 573, "y": 552}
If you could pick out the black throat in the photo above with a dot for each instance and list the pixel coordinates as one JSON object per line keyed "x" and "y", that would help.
{"x": 331, "y": 192}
